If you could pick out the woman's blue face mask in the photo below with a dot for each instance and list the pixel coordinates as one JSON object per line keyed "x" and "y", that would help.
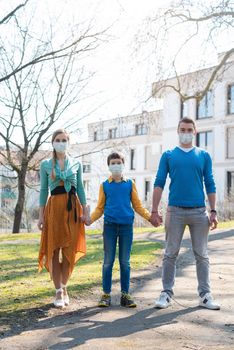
{"x": 60, "y": 147}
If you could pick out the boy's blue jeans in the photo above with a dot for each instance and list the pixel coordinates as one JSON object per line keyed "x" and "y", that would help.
{"x": 124, "y": 234}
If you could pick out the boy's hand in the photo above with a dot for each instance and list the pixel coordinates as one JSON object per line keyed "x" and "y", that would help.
{"x": 156, "y": 219}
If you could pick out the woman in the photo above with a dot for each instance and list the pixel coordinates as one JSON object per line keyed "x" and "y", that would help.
{"x": 61, "y": 219}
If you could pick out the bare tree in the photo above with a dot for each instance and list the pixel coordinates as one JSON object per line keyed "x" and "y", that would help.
{"x": 12, "y": 12}
{"x": 47, "y": 53}
{"x": 38, "y": 84}
{"x": 171, "y": 35}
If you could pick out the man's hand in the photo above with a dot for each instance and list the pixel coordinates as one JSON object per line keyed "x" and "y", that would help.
{"x": 213, "y": 220}
{"x": 156, "y": 219}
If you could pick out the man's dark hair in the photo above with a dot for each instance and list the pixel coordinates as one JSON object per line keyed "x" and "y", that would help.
{"x": 114, "y": 155}
{"x": 188, "y": 121}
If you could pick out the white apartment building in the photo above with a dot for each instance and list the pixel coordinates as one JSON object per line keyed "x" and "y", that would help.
{"x": 137, "y": 137}
{"x": 214, "y": 117}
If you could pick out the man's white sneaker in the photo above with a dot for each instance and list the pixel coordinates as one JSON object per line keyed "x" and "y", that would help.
{"x": 163, "y": 301}
{"x": 208, "y": 302}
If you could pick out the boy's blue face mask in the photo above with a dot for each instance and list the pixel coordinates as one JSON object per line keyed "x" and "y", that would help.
{"x": 116, "y": 169}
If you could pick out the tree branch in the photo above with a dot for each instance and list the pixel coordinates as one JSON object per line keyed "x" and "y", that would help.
{"x": 12, "y": 13}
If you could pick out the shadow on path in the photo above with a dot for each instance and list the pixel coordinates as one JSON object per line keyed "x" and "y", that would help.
{"x": 85, "y": 329}
{"x": 37, "y": 318}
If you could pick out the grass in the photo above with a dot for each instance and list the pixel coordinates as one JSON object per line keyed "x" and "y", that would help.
{"x": 138, "y": 230}
{"x": 226, "y": 224}
{"x": 22, "y": 287}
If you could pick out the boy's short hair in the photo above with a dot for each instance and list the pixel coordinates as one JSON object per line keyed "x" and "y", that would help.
{"x": 188, "y": 121}
{"x": 115, "y": 155}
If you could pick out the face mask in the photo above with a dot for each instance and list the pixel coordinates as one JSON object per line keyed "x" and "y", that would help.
{"x": 60, "y": 147}
{"x": 116, "y": 169}
{"x": 186, "y": 138}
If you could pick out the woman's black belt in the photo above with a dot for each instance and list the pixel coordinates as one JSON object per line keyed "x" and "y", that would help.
{"x": 72, "y": 192}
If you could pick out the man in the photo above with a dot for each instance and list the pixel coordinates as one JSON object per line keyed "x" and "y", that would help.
{"x": 189, "y": 168}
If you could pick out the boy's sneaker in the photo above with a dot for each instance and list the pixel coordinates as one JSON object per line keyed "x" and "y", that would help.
{"x": 163, "y": 301}
{"x": 105, "y": 300}
{"x": 208, "y": 302}
{"x": 127, "y": 301}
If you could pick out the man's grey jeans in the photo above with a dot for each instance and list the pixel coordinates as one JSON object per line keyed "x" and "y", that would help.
{"x": 198, "y": 222}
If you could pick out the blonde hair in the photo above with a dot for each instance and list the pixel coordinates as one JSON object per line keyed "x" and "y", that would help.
{"x": 54, "y": 156}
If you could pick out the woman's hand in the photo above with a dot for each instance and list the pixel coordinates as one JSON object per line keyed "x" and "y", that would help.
{"x": 40, "y": 223}
{"x": 85, "y": 218}
{"x": 88, "y": 222}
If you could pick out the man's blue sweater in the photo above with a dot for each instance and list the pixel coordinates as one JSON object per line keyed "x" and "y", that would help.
{"x": 188, "y": 172}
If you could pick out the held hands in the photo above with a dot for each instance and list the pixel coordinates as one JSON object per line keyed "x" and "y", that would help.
{"x": 85, "y": 218}
{"x": 156, "y": 219}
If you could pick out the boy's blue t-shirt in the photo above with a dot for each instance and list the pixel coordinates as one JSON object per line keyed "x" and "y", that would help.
{"x": 188, "y": 172}
{"x": 118, "y": 208}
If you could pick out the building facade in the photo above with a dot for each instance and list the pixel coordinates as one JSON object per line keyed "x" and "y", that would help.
{"x": 138, "y": 138}
{"x": 214, "y": 117}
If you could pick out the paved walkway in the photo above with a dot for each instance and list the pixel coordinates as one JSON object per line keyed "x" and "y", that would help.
{"x": 183, "y": 326}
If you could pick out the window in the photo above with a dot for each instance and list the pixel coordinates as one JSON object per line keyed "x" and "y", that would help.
{"x": 230, "y": 182}
{"x": 95, "y": 136}
{"x": 205, "y": 140}
{"x": 140, "y": 129}
{"x": 132, "y": 159}
{"x": 230, "y": 99}
{"x": 205, "y": 106}
{"x": 184, "y": 109}
{"x": 86, "y": 168}
{"x": 112, "y": 133}
{"x": 230, "y": 142}
{"x": 147, "y": 189}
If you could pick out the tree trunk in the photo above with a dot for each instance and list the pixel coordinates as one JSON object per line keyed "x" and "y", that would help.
{"x": 21, "y": 198}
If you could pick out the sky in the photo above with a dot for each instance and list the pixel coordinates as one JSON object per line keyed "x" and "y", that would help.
{"x": 124, "y": 66}
{"x": 119, "y": 78}
{"x": 117, "y": 85}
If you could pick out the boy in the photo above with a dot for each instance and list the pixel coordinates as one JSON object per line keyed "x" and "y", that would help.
{"x": 116, "y": 195}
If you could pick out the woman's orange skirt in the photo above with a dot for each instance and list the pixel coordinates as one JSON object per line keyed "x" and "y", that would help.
{"x": 60, "y": 230}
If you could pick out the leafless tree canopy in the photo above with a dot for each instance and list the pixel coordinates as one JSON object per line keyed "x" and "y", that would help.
{"x": 185, "y": 37}
{"x": 42, "y": 76}
{"x": 12, "y": 13}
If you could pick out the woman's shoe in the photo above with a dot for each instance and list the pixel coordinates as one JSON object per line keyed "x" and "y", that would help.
{"x": 66, "y": 300}
{"x": 65, "y": 295}
{"x": 59, "y": 302}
